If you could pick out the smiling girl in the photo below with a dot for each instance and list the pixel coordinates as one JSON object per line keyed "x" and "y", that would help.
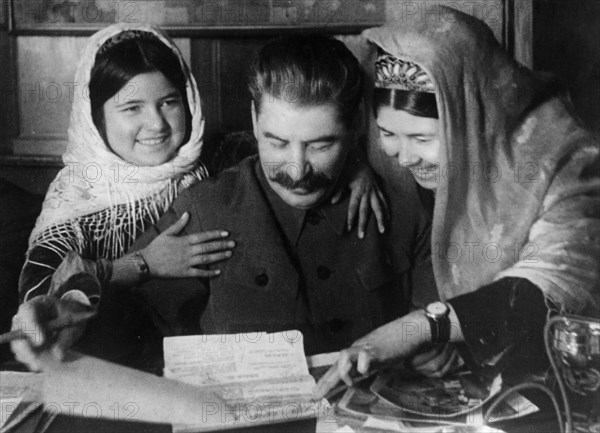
{"x": 141, "y": 129}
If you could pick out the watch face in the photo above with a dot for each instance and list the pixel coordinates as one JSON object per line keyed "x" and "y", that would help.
{"x": 437, "y": 309}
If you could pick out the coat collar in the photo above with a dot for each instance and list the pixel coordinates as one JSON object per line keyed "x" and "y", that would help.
{"x": 292, "y": 220}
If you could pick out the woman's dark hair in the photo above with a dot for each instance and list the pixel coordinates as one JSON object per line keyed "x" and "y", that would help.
{"x": 117, "y": 63}
{"x": 421, "y": 104}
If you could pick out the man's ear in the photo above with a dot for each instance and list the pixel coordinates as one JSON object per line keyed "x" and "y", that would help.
{"x": 254, "y": 119}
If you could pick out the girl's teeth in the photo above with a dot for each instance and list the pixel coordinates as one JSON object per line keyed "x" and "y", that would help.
{"x": 152, "y": 141}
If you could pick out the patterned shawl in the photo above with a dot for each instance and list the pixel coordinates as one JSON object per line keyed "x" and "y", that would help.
{"x": 97, "y": 189}
{"x": 519, "y": 191}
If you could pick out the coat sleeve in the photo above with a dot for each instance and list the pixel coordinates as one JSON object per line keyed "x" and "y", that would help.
{"x": 44, "y": 259}
{"x": 503, "y": 324}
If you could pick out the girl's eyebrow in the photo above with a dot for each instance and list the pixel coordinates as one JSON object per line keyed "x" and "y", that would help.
{"x": 174, "y": 94}
{"x": 128, "y": 101}
{"x": 421, "y": 134}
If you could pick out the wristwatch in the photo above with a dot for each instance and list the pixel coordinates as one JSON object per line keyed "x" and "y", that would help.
{"x": 141, "y": 266}
{"x": 438, "y": 315}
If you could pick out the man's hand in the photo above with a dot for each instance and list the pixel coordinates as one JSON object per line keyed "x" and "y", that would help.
{"x": 34, "y": 319}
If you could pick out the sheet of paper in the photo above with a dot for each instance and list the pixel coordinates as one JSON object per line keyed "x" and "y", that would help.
{"x": 262, "y": 378}
{"x": 295, "y": 389}
{"x": 18, "y": 392}
{"x": 383, "y": 425}
{"x": 345, "y": 429}
{"x": 220, "y": 359}
{"x": 514, "y": 406}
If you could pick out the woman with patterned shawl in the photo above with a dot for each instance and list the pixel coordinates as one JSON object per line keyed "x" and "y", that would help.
{"x": 134, "y": 143}
{"x": 515, "y": 178}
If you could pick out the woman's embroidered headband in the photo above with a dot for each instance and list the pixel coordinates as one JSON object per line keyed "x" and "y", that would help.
{"x": 394, "y": 73}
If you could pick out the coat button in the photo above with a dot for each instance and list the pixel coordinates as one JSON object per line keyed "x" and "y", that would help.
{"x": 261, "y": 280}
{"x": 313, "y": 218}
{"x": 323, "y": 272}
{"x": 488, "y": 337}
{"x": 336, "y": 325}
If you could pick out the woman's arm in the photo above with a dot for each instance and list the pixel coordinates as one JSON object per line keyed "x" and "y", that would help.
{"x": 49, "y": 292}
{"x": 365, "y": 194}
{"x": 43, "y": 259}
{"x": 493, "y": 321}
{"x": 502, "y": 325}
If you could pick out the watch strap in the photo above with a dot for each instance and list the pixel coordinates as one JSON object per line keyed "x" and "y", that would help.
{"x": 141, "y": 266}
{"x": 440, "y": 327}
{"x": 443, "y": 335}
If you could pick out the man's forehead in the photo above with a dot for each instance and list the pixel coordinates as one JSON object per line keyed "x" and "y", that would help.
{"x": 277, "y": 112}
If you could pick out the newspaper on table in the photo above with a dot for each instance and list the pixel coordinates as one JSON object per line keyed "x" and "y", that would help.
{"x": 18, "y": 400}
{"x": 262, "y": 378}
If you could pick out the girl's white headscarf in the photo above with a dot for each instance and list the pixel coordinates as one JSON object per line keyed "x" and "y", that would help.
{"x": 97, "y": 180}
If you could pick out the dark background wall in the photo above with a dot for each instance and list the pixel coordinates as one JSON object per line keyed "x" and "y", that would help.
{"x": 566, "y": 41}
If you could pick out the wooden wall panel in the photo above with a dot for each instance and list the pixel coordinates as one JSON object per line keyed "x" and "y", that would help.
{"x": 221, "y": 67}
{"x": 204, "y": 65}
{"x": 236, "y": 59}
{"x": 8, "y": 93}
{"x": 46, "y": 68}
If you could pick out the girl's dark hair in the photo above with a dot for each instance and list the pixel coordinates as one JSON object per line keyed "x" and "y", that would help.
{"x": 421, "y": 104}
{"x": 119, "y": 63}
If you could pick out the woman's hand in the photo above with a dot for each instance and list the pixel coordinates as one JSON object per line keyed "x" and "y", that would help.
{"x": 435, "y": 361}
{"x": 365, "y": 195}
{"x": 390, "y": 342}
{"x": 35, "y": 318}
{"x": 356, "y": 359}
{"x": 174, "y": 256}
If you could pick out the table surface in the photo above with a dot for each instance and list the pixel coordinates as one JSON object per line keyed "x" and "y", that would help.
{"x": 540, "y": 422}
{"x": 537, "y": 423}
{"x": 543, "y": 421}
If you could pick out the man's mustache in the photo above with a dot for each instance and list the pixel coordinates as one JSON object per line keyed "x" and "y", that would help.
{"x": 311, "y": 181}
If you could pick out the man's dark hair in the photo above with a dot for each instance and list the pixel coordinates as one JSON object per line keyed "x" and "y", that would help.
{"x": 309, "y": 70}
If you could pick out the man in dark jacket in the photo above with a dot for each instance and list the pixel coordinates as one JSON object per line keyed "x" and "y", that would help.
{"x": 295, "y": 265}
